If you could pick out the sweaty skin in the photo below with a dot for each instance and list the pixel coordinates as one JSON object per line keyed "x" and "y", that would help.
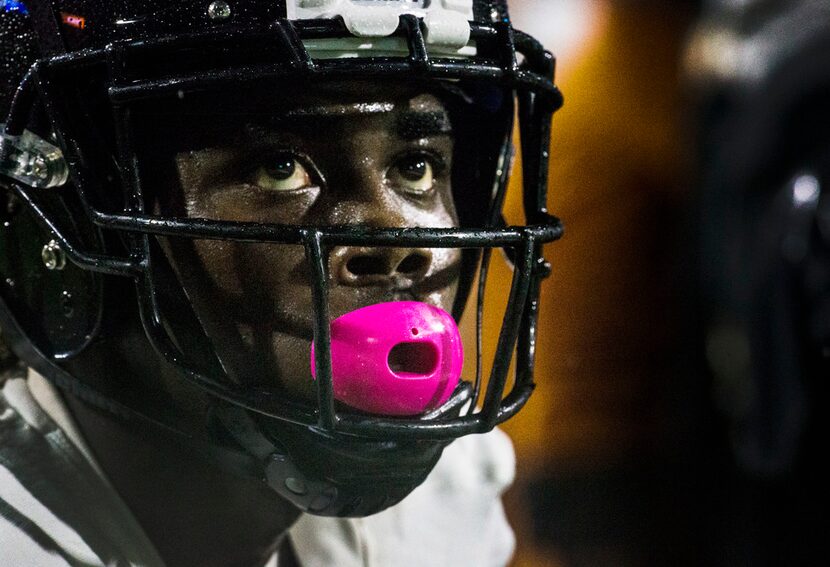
{"x": 351, "y": 155}
{"x": 382, "y": 161}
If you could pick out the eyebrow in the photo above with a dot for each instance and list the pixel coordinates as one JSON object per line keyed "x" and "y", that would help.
{"x": 409, "y": 125}
{"x": 417, "y": 124}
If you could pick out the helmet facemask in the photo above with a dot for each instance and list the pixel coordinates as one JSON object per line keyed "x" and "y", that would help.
{"x": 133, "y": 228}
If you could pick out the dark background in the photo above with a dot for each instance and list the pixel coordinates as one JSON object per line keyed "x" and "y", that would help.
{"x": 627, "y": 452}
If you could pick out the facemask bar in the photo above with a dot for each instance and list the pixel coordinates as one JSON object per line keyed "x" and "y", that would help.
{"x": 538, "y": 99}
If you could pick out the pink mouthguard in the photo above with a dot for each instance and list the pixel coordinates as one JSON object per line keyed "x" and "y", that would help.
{"x": 401, "y": 358}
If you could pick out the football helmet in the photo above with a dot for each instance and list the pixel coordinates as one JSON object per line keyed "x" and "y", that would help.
{"x": 88, "y": 86}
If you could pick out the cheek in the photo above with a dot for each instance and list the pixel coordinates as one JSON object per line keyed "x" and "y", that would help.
{"x": 447, "y": 200}
{"x": 243, "y": 281}
{"x": 437, "y": 212}
{"x": 245, "y": 295}
{"x": 210, "y": 269}
{"x": 294, "y": 365}
{"x": 252, "y": 204}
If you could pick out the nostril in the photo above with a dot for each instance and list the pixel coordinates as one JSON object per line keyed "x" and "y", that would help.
{"x": 366, "y": 266}
{"x": 369, "y": 266}
{"x": 413, "y": 264}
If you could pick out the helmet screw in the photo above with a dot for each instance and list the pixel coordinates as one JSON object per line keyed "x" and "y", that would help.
{"x": 219, "y": 10}
{"x": 54, "y": 258}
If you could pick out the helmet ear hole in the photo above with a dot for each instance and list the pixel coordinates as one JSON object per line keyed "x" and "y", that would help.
{"x": 56, "y": 303}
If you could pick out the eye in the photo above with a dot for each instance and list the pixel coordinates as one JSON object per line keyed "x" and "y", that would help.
{"x": 413, "y": 173}
{"x": 282, "y": 173}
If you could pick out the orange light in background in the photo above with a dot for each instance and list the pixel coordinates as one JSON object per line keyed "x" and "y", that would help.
{"x": 567, "y": 28}
{"x": 604, "y": 333}
{"x": 572, "y": 31}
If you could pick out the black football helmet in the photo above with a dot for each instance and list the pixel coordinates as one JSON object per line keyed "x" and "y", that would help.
{"x": 80, "y": 234}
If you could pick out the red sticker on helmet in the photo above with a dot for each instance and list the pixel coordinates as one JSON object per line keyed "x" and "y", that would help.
{"x": 73, "y": 20}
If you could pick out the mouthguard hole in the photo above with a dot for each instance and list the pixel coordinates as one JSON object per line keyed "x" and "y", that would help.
{"x": 413, "y": 359}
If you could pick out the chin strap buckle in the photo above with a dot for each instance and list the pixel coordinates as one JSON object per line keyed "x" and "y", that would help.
{"x": 280, "y": 472}
{"x": 31, "y": 160}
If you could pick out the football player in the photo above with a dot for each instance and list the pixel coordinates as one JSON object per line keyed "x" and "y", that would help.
{"x": 237, "y": 237}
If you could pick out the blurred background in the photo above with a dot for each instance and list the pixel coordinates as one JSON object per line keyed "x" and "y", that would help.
{"x": 683, "y": 345}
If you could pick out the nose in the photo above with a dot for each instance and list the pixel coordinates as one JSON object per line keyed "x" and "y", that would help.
{"x": 398, "y": 267}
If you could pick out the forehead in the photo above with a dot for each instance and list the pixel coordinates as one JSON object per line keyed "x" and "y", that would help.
{"x": 359, "y": 99}
{"x": 412, "y": 115}
{"x": 409, "y": 111}
{"x": 357, "y": 92}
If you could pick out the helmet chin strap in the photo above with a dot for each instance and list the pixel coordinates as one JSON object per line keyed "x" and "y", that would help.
{"x": 327, "y": 475}
{"x": 281, "y": 473}
{"x": 361, "y": 479}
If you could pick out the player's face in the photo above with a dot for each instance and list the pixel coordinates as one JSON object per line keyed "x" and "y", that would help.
{"x": 354, "y": 156}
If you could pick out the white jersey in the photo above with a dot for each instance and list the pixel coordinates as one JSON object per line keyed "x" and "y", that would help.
{"x": 57, "y": 508}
